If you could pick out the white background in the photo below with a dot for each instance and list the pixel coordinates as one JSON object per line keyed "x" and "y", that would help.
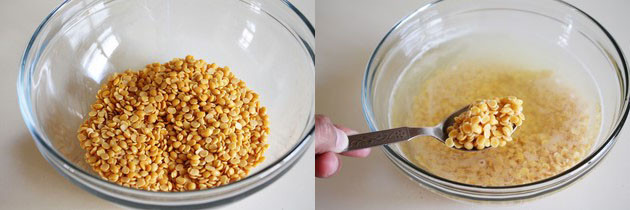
{"x": 27, "y": 181}
{"x": 347, "y": 32}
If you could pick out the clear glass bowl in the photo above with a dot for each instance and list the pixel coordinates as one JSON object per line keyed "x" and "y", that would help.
{"x": 555, "y": 24}
{"x": 268, "y": 44}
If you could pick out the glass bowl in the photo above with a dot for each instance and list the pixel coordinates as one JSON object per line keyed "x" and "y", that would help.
{"x": 268, "y": 44}
{"x": 553, "y": 25}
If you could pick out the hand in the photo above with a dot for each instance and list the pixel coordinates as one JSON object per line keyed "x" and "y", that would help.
{"x": 330, "y": 140}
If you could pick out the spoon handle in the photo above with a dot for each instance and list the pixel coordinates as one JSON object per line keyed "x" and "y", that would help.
{"x": 377, "y": 138}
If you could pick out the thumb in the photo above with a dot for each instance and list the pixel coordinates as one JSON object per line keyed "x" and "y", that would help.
{"x": 328, "y": 138}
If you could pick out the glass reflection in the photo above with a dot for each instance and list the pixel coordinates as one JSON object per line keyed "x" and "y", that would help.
{"x": 97, "y": 56}
{"x": 563, "y": 38}
{"x": 247, "y": 35}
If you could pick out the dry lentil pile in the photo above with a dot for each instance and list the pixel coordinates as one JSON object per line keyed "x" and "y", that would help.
{"x": 177, "y": 126}
{"x": 560, "y": 130}
{"x": 488, "y": 123}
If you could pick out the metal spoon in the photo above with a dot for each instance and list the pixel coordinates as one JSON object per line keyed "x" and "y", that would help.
{"x": 389, "y": 136}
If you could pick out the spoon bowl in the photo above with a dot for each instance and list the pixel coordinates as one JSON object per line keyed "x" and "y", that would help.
{"x": 450, "y": 120}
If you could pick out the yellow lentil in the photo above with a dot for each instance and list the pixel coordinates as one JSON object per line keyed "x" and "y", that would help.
{"x": 471, "y": 123}
{"x": 187, "y": 114}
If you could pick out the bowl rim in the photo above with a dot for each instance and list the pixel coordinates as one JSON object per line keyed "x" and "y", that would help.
{"x": 24, "y": 99}
{"x": 599, "y": 153}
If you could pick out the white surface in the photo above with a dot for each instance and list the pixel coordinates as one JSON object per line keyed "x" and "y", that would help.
{"x": 29, "y": 182}
{"x": 347, "y": 33}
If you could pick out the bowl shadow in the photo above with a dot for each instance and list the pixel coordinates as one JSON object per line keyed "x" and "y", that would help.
{"x": 49, "y": 186}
